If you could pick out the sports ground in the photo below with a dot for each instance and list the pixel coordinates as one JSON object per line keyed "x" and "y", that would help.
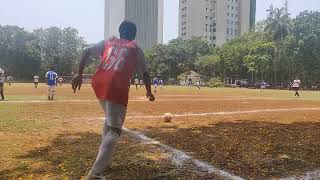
{"x": 215, "y": 134}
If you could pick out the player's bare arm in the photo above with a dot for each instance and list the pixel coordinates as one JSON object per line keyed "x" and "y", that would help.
{"x": 146, "y": 76}
{"x": 89, "y": 52}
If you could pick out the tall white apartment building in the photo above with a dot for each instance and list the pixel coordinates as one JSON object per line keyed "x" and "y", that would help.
{"x": 218, "y": 21}
{"x": 146, "y": 14}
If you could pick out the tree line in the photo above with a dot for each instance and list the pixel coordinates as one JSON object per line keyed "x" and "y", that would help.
{"x": 24, "y": 54}
{"x": 278, "y": 50}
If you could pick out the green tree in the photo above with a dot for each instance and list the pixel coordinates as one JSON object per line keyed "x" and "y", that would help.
{"x": 177, "y": 57}
{"x": 18, "y": 53}
{"x": 209, "y": 66}
{"x": 259, "y": 57}
{"x": 305, "y": 46}
{"x": 278, "y": 26}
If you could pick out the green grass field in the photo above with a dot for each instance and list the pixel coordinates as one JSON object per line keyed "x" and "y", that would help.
{"x": 256, "y": 135}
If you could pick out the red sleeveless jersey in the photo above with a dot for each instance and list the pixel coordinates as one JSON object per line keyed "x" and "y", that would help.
{"x": 118, "y": 63}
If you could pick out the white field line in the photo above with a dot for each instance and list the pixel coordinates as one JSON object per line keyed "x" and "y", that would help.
{"x": 227, "y": 113}
{"x": 157, "y": 100}
{"x": 312, "y": 175}
{"x": 179, "y": 158}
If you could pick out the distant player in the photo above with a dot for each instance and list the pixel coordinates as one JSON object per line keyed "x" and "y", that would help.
{"x": 155, "y": 84}
{"x": 141, "y": 83}
{"x": 9, "y": 80}
{"x": 51, "y": 81}
{"x": 2, "y": 79}
{"x": 296, "y": 86}
{"x": 60, "y": 81}
{"x": 36, "y": 81}
{"x": 120, "y": 59}
{"x": 136, "y": 82}
{"x": 263, "y": 86}
{"x": 189, "y": 82}
{"x": 160, "y": 83}
{"x": 198, "y": 84}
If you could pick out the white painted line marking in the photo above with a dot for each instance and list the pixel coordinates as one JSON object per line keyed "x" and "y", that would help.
{"x": 157, "y": 100}
{"x": 312, "y": 175}
{"x": 179, "y": 158}
{"x": 227, "y": 113}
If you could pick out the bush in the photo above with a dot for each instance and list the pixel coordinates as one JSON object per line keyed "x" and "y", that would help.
{"x": 172, "y": 81}
{"x": 216, "y": 82}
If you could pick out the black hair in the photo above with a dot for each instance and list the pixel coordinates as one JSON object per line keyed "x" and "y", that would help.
{"x": 128, "y": 30}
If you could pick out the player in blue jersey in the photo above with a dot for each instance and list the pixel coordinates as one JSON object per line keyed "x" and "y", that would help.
{"x": 51, "y": 77}
{"x": 155, "y": 83}
{"x": 263, "y": 86}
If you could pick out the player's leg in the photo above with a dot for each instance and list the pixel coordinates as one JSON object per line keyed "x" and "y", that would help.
{"x": 155, "y": 87}
{"x": 53, "y": 90}
{"x": 49, "y": 92}
{"x": 1, "y": 93}
{"x": 296, "y": 91}
{"x": 112, "y": 130}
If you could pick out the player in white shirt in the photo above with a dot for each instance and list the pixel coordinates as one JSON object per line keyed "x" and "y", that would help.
{"x": 36, "y": 81}
{"x": 198, "y": 84}
{"x": 60, "y": 80}
{"x": 136, "y": 82}
{"x": 141, "y": 83}
{"x": 9, "y": 80}
{"x": 296, "y": 86}
{"x": 160, "y": 83}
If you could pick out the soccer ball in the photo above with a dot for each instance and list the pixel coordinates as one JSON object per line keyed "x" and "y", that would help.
{"x": 167, "y": 117}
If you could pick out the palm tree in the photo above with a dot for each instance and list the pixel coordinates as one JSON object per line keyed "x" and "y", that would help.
{"x": 278, "y": 26}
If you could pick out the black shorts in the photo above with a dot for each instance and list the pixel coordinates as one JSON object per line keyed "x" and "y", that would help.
{"x": 36, "y": 82}
{"x": 296, "y": 88}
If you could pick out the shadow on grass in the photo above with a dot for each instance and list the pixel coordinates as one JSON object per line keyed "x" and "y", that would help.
{"x": 71, "y": 155}
{"x": 251, "y": 149}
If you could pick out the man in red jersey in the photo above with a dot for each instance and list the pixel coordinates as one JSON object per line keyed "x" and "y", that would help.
{"x": 121, "y": 58}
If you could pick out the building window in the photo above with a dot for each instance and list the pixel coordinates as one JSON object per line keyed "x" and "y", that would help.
{"x": 227, "y": 31}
